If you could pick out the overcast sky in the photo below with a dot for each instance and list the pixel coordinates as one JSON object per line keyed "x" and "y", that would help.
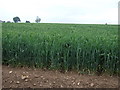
{"x": 61, "y": 11}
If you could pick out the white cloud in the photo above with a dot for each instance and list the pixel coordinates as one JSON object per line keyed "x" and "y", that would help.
{"x": 72, "y": 11}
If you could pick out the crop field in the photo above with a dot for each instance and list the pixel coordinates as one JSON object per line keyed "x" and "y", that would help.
{"x": 81, "y": 47}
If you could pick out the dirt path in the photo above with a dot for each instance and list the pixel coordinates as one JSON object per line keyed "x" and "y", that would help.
{"x": 37, "y": 78}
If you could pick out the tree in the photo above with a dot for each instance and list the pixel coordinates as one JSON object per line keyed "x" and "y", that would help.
{"x": 8, "y": 22}
{"x": 3, "y": 22}
{"x": 16, "y": 19}
{"x": 27, "y": 21}
{"x": 37, "y": 20}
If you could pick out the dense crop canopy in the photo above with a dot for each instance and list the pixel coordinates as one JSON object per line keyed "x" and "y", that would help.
{"x": 62, "y": 46}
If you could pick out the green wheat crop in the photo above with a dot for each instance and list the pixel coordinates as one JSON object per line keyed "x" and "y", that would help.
{"x": 62, "y": 46}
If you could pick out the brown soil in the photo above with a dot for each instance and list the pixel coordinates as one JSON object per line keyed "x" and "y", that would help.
{"x": 37, "y": 78}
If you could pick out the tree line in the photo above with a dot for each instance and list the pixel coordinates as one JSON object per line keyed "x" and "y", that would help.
{"x": 17, "y": 20}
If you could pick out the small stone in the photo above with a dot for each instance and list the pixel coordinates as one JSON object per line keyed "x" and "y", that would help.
{"x": 105, "y": 79}
{"x": 23, "y": 77}
{"x": 87, "y": 82}
{"x": 23, "y": 72}
{"x": 34, "y": 84}
{"x": 11, "y": 82}
{"x": 73, "y": 78}
{"x": 28, "y": 86}
{"x": 41, "y": 76}
{"x": 91, "y": 84}
{"x": 10, "y": 72}
{"x": 47, "y": 81}
{"x": 26, "y": 80}
{"x": 36, "y": 76}
{"x": 61, "y": 86}
{"x": 50, "y": 84}
{"x": 73, "y": 83}
{"x": 54, "y": 82}
{"x": 17, "y": 82}
{"x": 40, "y": 85}
{"x": 78, "y": 83}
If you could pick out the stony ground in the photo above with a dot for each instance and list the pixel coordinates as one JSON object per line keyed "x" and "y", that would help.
{"x": 37, "y": 78}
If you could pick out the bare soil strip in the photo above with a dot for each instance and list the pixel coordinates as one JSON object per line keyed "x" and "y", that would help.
{"x": 38, "y": 78}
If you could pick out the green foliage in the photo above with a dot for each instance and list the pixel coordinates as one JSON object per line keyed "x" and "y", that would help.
{"x": 37, "y": 20}
{"x": 16, "y": 19}
{"x": 86, "y": 48}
